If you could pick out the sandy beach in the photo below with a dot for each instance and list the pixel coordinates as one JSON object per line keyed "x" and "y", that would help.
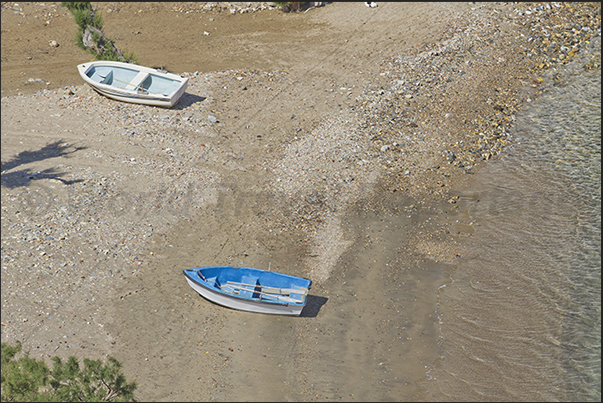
{"x": 343, "y": 136}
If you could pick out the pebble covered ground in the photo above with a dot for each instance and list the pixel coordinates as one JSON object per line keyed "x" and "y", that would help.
{"x": 441, "y": 91}
{"x": 83, "y": 216}
{"x": 431, "y": 116}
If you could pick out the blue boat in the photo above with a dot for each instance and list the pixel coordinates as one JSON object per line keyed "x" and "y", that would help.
{"x": 248, "y": 289}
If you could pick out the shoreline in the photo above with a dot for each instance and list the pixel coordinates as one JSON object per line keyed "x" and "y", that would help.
{"x": 126, "y": 191}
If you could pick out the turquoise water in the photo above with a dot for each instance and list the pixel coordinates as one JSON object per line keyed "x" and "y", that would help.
{"x": 520, "y": 317}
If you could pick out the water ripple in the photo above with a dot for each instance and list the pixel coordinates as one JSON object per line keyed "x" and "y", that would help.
{"x": 522, "y": 317}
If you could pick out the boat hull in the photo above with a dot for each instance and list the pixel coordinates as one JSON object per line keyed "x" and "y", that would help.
{"x": 132, "y": 83}
{"x": 214, "y": 286}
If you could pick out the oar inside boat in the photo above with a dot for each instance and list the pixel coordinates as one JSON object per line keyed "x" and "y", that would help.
{"x": 272, "y": 290}
{"x": 137, "y": 86}
{"x": 264, "y": 292}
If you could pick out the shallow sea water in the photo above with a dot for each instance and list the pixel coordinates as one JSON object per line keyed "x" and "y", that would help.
{"x": 519, "y": 318}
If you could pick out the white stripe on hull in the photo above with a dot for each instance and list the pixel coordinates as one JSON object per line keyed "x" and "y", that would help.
{"x": 245, "y": 304}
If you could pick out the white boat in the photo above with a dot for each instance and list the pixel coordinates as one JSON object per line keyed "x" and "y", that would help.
{"x": 248, "y": 289}
{"x": 129, "y": 82}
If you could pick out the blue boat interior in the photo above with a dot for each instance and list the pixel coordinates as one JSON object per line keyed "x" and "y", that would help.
{"x": 254, "y": 283}
{"x": 115, "y": 76}
{"x": 131, "y": 79}
{"x": 160, "y": 85}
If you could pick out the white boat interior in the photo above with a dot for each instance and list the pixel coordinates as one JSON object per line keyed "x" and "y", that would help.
{"x": 134, "y": 80}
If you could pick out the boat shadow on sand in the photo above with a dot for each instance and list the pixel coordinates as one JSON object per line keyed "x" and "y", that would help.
{"x": 188, "y": 100}
{"x": 313, "y": 305}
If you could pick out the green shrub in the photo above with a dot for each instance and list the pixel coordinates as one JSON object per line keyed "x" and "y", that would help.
{"x": 84, "y": 14}
{"x": 103, "y": 47}
{"x": 28, "y": 380}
